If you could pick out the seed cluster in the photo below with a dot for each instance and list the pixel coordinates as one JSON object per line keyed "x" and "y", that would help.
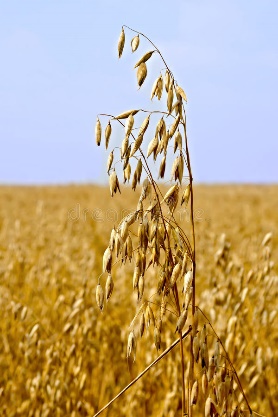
{"x": 159, "y": 249}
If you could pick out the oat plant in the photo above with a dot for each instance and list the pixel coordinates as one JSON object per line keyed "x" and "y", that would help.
{"x": 160, "y": 248}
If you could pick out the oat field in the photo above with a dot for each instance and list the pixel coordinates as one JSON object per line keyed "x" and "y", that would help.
{"x": 60, "y": 356}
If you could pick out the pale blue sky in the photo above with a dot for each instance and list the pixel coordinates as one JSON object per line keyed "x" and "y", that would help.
{"x": 59, "y": 68}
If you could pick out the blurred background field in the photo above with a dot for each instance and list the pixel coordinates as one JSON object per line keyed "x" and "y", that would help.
{"x": 59, "y": 356}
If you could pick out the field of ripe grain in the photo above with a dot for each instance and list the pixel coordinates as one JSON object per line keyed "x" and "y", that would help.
{"x": 60, "y": 356}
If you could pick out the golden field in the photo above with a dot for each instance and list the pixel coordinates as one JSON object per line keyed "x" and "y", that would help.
{"x": 61, "y": 356}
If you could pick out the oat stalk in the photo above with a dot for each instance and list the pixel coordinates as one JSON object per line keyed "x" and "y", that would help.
{"x": 160, "y": 242}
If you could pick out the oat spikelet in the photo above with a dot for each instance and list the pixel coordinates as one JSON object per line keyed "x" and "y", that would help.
{"x": 157, "y": 88}
{"x": 125, "y": 114}
{"x": 99, "y": 297}
{"x": 175, "y": 274}
{"x": 153, "y": 92}
{"x": 109, "y": 286}
{"x": 196, "y": 347}
{"x": 135, "y": 43}
{"x": 127, "y": 173}
{"x": 98, "y": 132}
{"x": 108, "y": 131}
{"x": 129, "y": 247}
{"x": 167, "y": 80}
{"x": 110, "y": 161}
{"x": 171, "y": 194}
{"x": 152, "y": 146}
{"x": 180, "y": 168}
{"x": 129, "y": 124}
{"x": 187, "y": 281}
{"x": 131, "y": 345}
{"x": 146, "y": 189}
{"x": 211, "y": 368}
{"x": 141, "y": 73}
{"x": 125, "y": 144}
{"x": 208, "y": 406}
{"x": 121, "y": 43}
{"x": 142, "y": 325}
{"x": 114, "y": 183}
{"x": 136, "y": 275}
{"x": 144, "y": 125}
{"x": 178, "y": 142}
{"x": 174, "y": 126}
{"x": 141, "y": 286}
{"x": 124, "y": 230}
{"x": 186, "y": 195}
{"x": 162, "y": 167}
{"x": 139, "y": 170}
{"x": 177, "y": 168}
{"x": 139, "y": 139}
{"x": 204, "y": 382}
{"x": 134, "y": 181}
{"x": 194, "y": 393}
{"x": 107, "y": 260}
{"x": 182, "y": 320}
{"x": 149, "y": 316}
{"x": 170, "y": 98}
{"x": 144, "y": 59}
{"x": 180, "y": 91}
{"x": 137, "y": 144}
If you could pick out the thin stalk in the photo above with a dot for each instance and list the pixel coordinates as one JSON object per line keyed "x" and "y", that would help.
{"x": 176, "y": 296}
{"x": 191, "y": 371}
{"x": 182, "y": 376}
